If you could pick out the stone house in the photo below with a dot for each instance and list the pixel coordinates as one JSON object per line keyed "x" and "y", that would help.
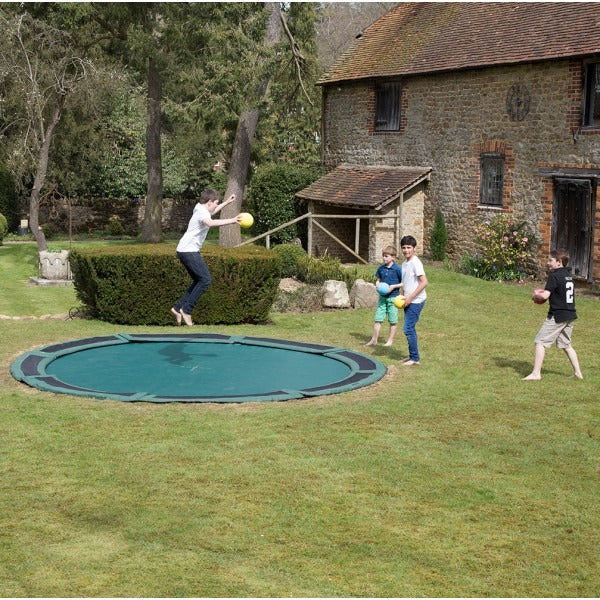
{"x": 472, "y": 108}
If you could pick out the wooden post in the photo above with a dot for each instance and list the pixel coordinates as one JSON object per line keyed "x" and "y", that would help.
{"x": 357, "y": 237}
{"x": 399, "y": 215}
{"x": 309, "y": 236}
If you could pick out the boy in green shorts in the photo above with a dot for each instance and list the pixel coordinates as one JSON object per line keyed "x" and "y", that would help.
{"x": 391, "y": 273}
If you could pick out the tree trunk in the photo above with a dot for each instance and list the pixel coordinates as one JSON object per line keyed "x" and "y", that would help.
{"x": 40, "y": 175}
{"x": 230, "y": 235}
{"x": 152, "y": 225}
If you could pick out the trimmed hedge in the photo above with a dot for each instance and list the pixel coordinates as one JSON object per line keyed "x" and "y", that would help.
{"x": 138, "y": 284}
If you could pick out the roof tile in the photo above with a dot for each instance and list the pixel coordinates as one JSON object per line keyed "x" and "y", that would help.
{"x": 425, "y": 37}
{"x": 370, "y": 187}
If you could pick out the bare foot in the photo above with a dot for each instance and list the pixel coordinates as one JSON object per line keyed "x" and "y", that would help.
{"x": 187, "y": 319}
{"x": 388, "y": 343}
{"x": 578, "y": 375}
{"x": 371, "y": 343}
{"x": 532, "y": 377}
{"x": 177, "y": 315}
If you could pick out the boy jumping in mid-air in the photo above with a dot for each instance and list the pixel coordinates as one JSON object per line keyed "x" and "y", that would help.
{"x": 188, "y": 251}
{"x": 389, "y": 272}
{"x": 558, "y": 326}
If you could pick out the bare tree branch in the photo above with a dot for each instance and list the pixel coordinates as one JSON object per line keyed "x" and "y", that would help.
{"x": 299, "y": 58}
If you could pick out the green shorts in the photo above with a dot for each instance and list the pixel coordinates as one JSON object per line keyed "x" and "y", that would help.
{"x": 386, "y": 307}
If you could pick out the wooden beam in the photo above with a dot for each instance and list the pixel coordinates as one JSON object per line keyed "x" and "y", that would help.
{"x": 340, "y": 242}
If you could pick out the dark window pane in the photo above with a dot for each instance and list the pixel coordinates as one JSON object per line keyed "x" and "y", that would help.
{"x": 387, "y": 107}
{"x": 492, "y": 179}
{"x": 592, "y": 96}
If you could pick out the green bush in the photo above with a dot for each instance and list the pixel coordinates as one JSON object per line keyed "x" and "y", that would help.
{"x": 9, "y": 201}
{"x": 272, "y": 200}
{"x": 50, "y": 231}
{"x": 3, "y": 227}
{"x": 505, "y": 250}
{"x": 439, "y": 237}
{"x": 115, "y": 227}
{"x": 318, "y": 270}
{"x": 138, "y": 284}
{"x": 289, "y": 254}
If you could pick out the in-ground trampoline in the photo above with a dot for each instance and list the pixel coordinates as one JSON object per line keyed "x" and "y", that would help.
{"x": 196, "y": 367}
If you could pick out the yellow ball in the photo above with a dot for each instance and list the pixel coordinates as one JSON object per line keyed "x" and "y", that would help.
{"x": 246, "y": 220}
{"x": 399, "y": 301}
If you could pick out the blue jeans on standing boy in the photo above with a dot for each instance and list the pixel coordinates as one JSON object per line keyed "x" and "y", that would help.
{"x": 411, "y": 316}
{"x": 201, "y": 280}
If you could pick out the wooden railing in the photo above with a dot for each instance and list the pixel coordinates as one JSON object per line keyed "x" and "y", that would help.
{"x": 312, "y": 222}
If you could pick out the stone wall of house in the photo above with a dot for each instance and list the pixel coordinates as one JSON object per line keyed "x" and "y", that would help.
{"x": 450, "y": 119}
{"x": 89, "y": 216}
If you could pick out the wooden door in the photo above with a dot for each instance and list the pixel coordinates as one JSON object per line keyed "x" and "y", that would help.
{"x": 572, "y": 223}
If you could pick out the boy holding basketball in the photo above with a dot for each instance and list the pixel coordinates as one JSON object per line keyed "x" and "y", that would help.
{"x": 558, "y": 326}
{"x": 391, "y": 274}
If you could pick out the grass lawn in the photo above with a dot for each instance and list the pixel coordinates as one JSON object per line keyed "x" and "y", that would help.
{"x": 454, "y": 478}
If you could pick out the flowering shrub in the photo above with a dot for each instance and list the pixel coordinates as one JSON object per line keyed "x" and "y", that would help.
{"x": 505, "y": 249}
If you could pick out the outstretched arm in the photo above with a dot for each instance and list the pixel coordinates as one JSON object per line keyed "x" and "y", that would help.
{"x": 221, "y": 222}
{"x": 218, "y": 207}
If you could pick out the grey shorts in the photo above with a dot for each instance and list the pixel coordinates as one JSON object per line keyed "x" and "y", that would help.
{"x": 552, "y": 332}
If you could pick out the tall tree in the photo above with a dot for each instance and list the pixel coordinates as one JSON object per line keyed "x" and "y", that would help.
{"x": 244, "y": 136}
{"x": 289, "y": 127}
{"x": 284, "y": 62}
{"x": 188, "y": 54}
{"x": 46, "y": 63}
{"x": 135, "y": 34}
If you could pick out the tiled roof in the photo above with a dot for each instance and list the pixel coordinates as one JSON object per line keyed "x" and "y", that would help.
{"x": 426, "y": 37}
{"x": 363, "y": 187}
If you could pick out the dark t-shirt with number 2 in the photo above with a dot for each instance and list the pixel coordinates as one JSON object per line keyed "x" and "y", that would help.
{"x": 562, "y": 295}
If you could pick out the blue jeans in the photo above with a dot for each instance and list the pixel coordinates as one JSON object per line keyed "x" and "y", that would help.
{"x": 411, "y": 316}
{"x": 196, "y": 267}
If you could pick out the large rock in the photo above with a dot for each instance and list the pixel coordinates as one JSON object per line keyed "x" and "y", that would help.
{"x": 290, "y": 285}
{"x": 335, "y": 294}
{"x": 363, "y": 294}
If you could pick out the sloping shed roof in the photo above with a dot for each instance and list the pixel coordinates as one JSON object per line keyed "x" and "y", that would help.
{"x": 442, "y": 36}
{"x": 363, "y": 187}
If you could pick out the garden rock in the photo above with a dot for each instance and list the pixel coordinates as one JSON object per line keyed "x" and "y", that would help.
{"x": 335, "y": 294}
{"x": 290, "y": 285}
{"x": 363, "y": 294}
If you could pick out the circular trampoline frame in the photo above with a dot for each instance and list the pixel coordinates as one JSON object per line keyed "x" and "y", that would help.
{"x": 32, "y": 368}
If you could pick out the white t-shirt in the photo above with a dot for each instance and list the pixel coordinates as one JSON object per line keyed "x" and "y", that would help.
{"x": 411, "y": 271}
{"x": 195, "y": 235}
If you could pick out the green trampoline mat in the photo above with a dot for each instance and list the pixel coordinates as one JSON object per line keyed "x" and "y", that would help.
{"x": 195, "y": 368}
